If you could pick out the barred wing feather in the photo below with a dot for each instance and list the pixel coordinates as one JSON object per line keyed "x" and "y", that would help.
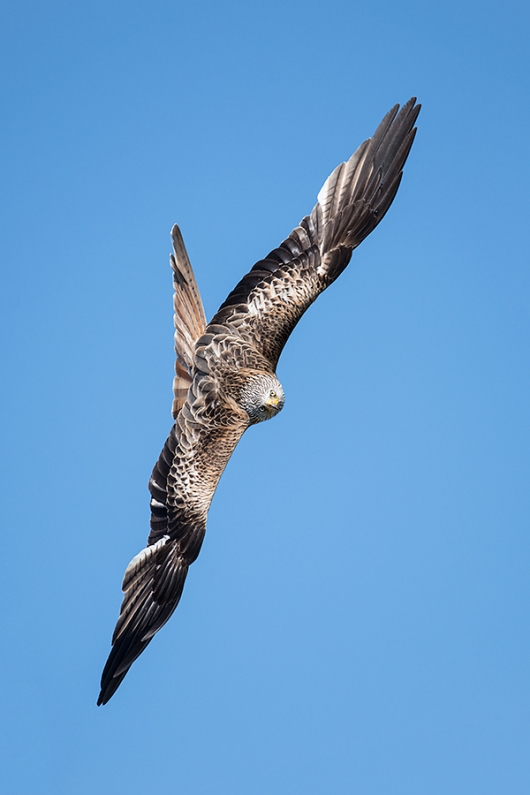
{"x": 270, "y": 300}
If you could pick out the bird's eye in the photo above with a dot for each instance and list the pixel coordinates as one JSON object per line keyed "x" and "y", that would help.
{"x": 273, "y": 393}
{"x": 262, "y": 408}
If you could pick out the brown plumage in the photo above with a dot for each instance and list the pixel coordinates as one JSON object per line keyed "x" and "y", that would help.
{"x": 225, "y": 373}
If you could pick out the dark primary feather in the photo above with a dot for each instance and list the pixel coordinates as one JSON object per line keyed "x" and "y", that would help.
{"x": 182, "y": 485}
{"x": 153, "y": 586}
{"x": 215, "y": 362}
{"x": 269, "y": 300}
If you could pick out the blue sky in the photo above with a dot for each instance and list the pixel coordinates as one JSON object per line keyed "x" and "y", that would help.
{"x": 358, "y": 620}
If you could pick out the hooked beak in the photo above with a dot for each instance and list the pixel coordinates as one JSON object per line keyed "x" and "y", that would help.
{"x": 272, "y": 402}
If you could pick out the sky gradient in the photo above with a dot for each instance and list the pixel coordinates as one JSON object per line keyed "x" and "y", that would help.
{"x": 358, "y": 619}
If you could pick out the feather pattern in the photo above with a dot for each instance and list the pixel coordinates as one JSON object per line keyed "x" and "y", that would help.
{"x": 270, "y": 300}
{"x": 222, "y": 366}
{"x": 189, "y": 318}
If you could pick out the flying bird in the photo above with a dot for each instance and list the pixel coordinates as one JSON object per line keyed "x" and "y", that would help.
{"x": 226, "y": 373}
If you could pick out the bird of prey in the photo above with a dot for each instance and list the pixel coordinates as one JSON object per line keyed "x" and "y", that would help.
{"x": 226, "y": 373}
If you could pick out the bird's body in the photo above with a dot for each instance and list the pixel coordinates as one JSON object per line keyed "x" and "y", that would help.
{"x": 226, "y": 373}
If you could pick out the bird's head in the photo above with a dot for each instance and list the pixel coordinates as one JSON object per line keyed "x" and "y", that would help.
{"x": 262, "y": 397}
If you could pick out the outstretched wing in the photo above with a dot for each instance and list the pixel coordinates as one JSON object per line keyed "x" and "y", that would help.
{"x": 182, "y": 485}
{"x": 270, "y": 300}
{"x": 153, "y": 584}
{"x": 189, "y": 317}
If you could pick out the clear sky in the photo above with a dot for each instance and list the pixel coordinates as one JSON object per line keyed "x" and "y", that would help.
{"x": 358, "y": 620}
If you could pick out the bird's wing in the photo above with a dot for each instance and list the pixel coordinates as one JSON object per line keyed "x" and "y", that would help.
{"x": 189, "y": 318}
{"x": 182, "y": 485}
{"x": 269, "y": 301}
{"x": 153, "y": 584}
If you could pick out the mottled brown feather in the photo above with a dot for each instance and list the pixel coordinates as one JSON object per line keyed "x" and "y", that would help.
{"x": 215, "y": 361}
{"x": 270, "y": 300}
{"x": 189, "y": 318}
